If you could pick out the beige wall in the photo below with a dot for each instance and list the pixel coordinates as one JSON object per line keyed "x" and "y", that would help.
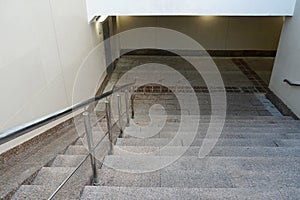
{"x": 216, "y": 33}
{"x": 43, "y": 43}
{"x": 287, "y": 65}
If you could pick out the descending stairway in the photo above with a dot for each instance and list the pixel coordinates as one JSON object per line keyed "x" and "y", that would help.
{"x": 256, "y": 157}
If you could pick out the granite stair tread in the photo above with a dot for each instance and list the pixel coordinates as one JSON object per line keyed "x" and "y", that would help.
{"x": 33, "y": 192}
{"x": 207, "y": 178}
{"x": 224, "y": 135}
{"x": 215, "y": 128}
{"x": 52, "y": 176}
{"x": 154, "y": 193}
{"x": 76, "y": 150}
{"x": 228, "y": 118}
{"x": 67, "y": 160}
{"x": 191, "y": 141}
{"x": 196, "y": 163}
{"x": 227, "y": 124}
{"x": 216, "y": 151}
{"x": 199, "y": 129}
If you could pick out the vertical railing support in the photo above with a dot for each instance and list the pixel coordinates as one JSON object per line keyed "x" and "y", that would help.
{"x": 127, "y": 107}
{"x": 120, "y": 114}
{"x": 109, "y": 126}
{"x": 90, "y": 142}
{"x": 132, "y": 102}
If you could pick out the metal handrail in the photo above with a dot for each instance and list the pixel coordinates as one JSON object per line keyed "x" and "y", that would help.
{"x": 17, "y": 131}
{"x": 20, "y": 130}
{"x": 291, "y": 83}
{"x": 82, "y": 162}
{"x": 91, "y": 146}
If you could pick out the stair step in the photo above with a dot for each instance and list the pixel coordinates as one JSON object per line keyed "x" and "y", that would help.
{"x": 229, "y": 118}
{"x": 97, "y": 134}
{"x": 154, "y": 193}
{"x": 117, "y": 178}
{"x": 217, "y": 119}
{"x": 146, "y": 130}
{"x": 76, "y": 150}
{"x": 216, "y": 151}
{"x": 209, "y": 178}
{"x": 190, "y": 127}
{"x": 245, "y": 111}
{"x": 216, "y": 178}
{"x": 227, "y": 124}
{"x": 67, "y": 160}
{"x": 263, "y": 142}
{"x": 52, "y": 176}
{"x": 33, "y": 192}
{"x": 193, "y": 162}
{"x": 229, "y": 135}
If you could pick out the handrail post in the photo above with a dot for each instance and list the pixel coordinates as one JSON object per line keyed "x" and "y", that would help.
{"x": 120, "y": 114}
{"x": 132, "y": 102}
{"x": 127, "y": 107}
{"x": 109, "y": 128}
{"x": 90, "y": 142}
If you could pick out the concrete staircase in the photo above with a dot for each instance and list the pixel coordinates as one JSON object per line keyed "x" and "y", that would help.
{"x": 256, "y": 157}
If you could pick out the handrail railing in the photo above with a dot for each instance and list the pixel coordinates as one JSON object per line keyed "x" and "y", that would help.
{"x": 291, "y": 83}
{"x": 25, "y": 128}
{"x": 17, "y": 131}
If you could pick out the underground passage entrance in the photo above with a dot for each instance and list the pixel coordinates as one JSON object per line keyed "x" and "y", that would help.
{"x": 250, "y": 42}
{"x": 179, "y": 135}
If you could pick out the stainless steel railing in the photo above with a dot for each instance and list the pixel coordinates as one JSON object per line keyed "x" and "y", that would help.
{"x": 15, "y": 132}
{"x": 110, "y": 127}
{"x": 109, "y": 133}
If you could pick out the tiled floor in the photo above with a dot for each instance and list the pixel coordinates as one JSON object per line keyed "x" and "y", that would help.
{"x": 244, "y": 86}
{"x": 240, "y": 75}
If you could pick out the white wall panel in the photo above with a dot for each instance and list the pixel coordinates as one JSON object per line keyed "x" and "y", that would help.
{"x": 43, "y": 43}
{"x": 287, "y": 65}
